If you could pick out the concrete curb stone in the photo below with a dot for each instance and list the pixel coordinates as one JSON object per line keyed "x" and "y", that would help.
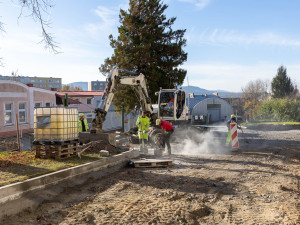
{"x": 14, "y": 197}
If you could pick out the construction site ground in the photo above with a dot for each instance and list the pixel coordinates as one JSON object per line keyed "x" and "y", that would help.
{"x": 207, "y": 184}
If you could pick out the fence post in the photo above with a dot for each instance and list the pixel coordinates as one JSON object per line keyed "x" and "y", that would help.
{"x": 18, "y": 132}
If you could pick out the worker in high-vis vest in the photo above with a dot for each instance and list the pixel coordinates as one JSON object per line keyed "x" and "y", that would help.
{"x": 143, "y": 123}
{"x": 82, "y": 123}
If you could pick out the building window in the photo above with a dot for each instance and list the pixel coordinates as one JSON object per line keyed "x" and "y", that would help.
{"x": 50, "y": 85}
{"x": 48, "y": 104}
{"x": 89, "y": 101}
{"x": 50, "y": 81}
{"x": 32, "y": 80}
{"x": 8, "y": 113}
{"x": 57, "y": 81}
{"x": 22, "y": 112}
{"x": 40, "y": 81}
{"x": 58, "y": 86}
{"x": 89, "y": 117}
{"x": 38, "y": 104}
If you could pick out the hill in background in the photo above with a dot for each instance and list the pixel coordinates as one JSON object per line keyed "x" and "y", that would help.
{"x": 188, "y": 89}
{"x": 199, "y": 91}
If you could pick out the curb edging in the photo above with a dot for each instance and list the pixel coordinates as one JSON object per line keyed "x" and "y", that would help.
{"x": 14, "y": 194}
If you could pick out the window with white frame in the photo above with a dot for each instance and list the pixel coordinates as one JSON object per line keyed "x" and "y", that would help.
{"x": 22, "y": 112}
{"x": 38, "y": 104}
{"x": 8, "y": 114}
{"x": 48, "y": 104}
{"x": 89, "y": 101}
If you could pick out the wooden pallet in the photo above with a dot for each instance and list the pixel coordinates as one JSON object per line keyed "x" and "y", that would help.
{"x": 152, "y": 163}
{"x": 56, "y": 151}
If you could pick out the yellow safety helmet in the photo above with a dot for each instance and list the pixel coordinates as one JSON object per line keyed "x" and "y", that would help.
{"x": 81, "y": 114}
{"x": 232, "y": 116}
{"x": 158, "y": 121}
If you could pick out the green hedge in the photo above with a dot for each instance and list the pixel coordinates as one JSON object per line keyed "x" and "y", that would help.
{"x": 278, "y": 110}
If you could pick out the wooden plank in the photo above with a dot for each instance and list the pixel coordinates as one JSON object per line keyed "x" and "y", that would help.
{"x": 152, "y": 163}
{"x": 57, "y": 151}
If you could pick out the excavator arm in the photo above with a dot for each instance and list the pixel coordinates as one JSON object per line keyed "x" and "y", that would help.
{"x": 136, "y": 81}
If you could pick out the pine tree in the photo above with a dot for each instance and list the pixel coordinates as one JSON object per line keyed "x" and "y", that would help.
{"x": 147, "y": 44}
{"x": 281, "y": 84}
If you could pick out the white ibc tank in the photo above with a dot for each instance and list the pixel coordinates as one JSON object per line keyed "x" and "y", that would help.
{"x": 55, "y": 123}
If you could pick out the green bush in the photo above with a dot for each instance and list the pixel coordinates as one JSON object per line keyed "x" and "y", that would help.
{"x": 279, "y": 110}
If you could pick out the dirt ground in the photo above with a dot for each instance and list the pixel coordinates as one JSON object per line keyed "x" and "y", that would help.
{"x": 258, "y": 184}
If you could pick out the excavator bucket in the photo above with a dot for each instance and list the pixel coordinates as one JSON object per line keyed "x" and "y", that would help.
{"x": 112, "y": 139}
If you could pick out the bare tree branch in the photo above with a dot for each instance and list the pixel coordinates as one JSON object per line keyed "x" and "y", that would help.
{"x": 38, "y": 10}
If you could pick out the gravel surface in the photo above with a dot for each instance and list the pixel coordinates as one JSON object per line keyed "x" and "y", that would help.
{"x": 208, "y": 184}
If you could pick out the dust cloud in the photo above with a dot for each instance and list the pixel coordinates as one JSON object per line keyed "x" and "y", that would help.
{"x": 194, "y": 142}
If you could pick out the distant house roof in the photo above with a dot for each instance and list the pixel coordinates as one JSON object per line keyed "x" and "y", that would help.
{"x": 81, "y": 93}
{"x": 197, "y": 98}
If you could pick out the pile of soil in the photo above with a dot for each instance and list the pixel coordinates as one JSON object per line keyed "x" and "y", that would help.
{"x": 97, "y": 146}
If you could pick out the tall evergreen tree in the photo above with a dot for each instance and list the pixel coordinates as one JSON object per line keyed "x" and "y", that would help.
{"x": 281, "y": 84}
{"x": 147, "y": 44}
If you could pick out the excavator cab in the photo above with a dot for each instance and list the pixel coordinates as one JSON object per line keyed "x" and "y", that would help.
{"x": 171, "y": 104}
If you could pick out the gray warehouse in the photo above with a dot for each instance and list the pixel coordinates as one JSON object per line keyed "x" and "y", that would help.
{"x": 204, "y": 108}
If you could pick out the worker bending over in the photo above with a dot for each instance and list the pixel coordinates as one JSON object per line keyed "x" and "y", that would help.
{"x": 82, "y": 123}
{"x": 167, "y": 131}
{"x": 143, "y": 123}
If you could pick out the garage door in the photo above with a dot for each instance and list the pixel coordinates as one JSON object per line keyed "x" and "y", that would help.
{"x": 215, "y": 111}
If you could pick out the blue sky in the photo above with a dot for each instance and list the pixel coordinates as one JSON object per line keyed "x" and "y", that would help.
{"x": 229, "y": 42}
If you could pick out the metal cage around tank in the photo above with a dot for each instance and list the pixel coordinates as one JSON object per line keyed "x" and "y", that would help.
{"x": 55, "y": 124}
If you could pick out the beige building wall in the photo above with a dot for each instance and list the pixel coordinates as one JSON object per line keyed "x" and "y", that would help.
{"x": 20, "y": 100}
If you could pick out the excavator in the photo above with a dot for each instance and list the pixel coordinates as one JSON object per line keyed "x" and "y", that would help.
{"x": 171, "y": 103}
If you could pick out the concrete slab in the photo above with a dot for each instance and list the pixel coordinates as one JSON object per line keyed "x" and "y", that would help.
{"x": 16, "y": 197}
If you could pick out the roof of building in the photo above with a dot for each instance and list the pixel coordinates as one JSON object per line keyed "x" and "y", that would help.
{"x": 27, "y": 86}
{"x": 80, "y": 93}
{"x": 198, "y": 98}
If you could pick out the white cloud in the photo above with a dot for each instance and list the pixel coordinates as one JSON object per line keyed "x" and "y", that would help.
{"x": 223, "y": 37}
{"x": 232, "y": 77}
{"x": 109, "y": 18}
{"x": 201, "y": 4}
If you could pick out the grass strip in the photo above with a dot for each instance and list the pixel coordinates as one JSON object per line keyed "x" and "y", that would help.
{"x": 19, "y": 166}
